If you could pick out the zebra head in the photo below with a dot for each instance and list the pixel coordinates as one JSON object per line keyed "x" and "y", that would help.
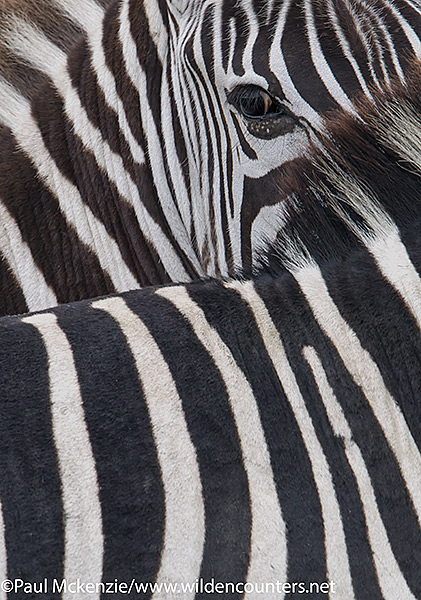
{"x": 244, "y": 86}
{"x": 151, "y": 151}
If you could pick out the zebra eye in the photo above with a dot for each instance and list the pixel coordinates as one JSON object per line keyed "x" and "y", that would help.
{"x": 263, "y": 115}
{"x": 255, "y": 103}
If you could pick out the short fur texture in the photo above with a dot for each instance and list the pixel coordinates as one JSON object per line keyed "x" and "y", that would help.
{"x": 129, "y": 160}
{"x": 257, "y": 432}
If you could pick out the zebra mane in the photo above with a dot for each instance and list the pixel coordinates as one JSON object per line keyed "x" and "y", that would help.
{"x": 360, "y": 186}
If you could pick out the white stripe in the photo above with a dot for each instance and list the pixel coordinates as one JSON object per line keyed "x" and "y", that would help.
{"x": 89, "y": 229}
{"x": 180, "y": 191}
{"x": 157, "y": 28}
{"x": 86, "y": 13}
{"x": 391, "y": 579}
{"x": 84, "y": 543}
{"x": 396, "y": 127}
{"x": 106, "y": 82}
{"x": 3, "y": 554}
{"x": 112, "y": 164}
{"x": 227, "y": 144}
{"x": 367, "y": 376}
{"x": 383, "y": 241}
{"x": 375, "y": 43}
{"x": 265, "y": 230}
{"x": 269, "y": 9}
{"x": 26, "y": 41}
{"x": 321, "y": 65}
{"x": 198, "y": 157}
{"x": 415, "y": 4}
{"x": 199, "y": 184}
{"x": 184, "y": 509}
{"x": 214, "y": 124}
{"x": 268, "y": 554}
{"x": 396, "y": 266}
{"x": 14, "y": 249}
{"x": 204, "y": 98}
{"x": 32, "y": 45}
{"x": 336, "y": 551}
{"x": 11, "y": 104}
{"x": 361, "y": 28}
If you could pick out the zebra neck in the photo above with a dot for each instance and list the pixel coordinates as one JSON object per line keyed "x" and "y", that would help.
{"x": 87, "y": 183}
{"x": 362, "y": 191}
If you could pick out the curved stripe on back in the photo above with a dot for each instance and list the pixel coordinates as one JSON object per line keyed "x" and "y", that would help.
{"x": 75, "y": 457}
{"x": 353, "y": 354}
{"x": 268, "y": 545}
{"x": 184, "y": 532}
{"x": 389, "y": 574}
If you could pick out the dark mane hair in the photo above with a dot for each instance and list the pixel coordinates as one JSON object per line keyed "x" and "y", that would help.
{"x": 366, "y": 180}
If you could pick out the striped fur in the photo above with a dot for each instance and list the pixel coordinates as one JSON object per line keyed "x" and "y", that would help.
{"x": 125, "y": 161}
{"x": 253, "y": 431}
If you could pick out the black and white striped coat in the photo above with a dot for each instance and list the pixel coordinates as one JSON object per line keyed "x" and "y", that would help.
{"x": 147, "y": 154}
{"x": 251, "y": 431}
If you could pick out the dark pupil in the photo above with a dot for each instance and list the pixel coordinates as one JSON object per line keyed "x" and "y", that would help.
{"x": 253, "y": 105}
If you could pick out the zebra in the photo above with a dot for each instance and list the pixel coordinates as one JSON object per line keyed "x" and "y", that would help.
{"x": 253, "y": 433}
{"x": 146, "y": 154}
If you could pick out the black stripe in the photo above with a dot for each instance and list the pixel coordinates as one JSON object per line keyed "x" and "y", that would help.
{"x": 12, "y": 300}
{"x": 298, "y": 329}
{"x": 29, "y": 482}
{"x": 245, "y": 146}
{"x": 54, "y": 23}
{"x": 296, "y": 52}
{"x": 142, "y": 175}
{"x": 148, "y": 58}
{"x": 411, "y": 16}
{"x": 362, "y": 567}
{"x": 356, "y": 45}
{"x": 260, "y": 193}
{"x": 93, "y": 100}
{"x": 209, "y": 53}
{"x": 26, "y": 79}
{"x": 198, "y": 108}
{"x": 181, "y": 147}
{"x": 115, "y": 61}
{"x": 131, "y": 492}
{"x": 395, "y": 32}
{"x": 241, "y": 32}
{"x": 97, "y": 191}
{"x": 215, "y": 162}
{"x": 103, "y": 3}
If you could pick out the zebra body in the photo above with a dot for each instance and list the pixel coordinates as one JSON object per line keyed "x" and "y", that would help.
{"x": 253, "y": 431}
{"x": 147, "y": 154}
